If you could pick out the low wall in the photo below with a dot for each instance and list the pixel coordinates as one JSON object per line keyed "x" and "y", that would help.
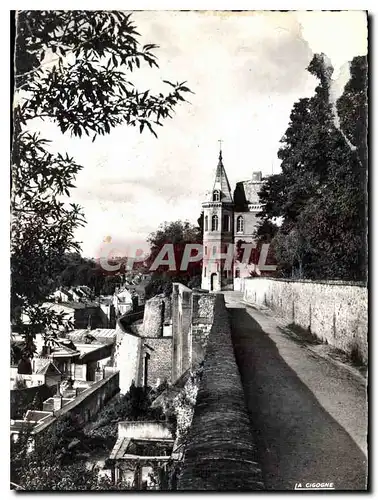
{"x": 86, "y": 405}
{"x": 220, "y": 452}
{"x": 336, "y": 312}
{"x": 144, "y": 430}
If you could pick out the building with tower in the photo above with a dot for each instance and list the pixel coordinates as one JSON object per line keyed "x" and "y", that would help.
{"x": 228, "y": 219}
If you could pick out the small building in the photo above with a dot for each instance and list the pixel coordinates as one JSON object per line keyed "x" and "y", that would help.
{"x": 122, "y": 301}
{"x": 141, "y": 454}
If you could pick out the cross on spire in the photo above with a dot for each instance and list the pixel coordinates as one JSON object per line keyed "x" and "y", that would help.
{"x": 220, "y": 148}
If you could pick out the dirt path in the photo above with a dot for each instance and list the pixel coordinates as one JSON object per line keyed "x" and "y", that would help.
{"x": 309, "y": 413}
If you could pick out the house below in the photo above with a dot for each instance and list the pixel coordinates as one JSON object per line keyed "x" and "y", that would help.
{"x": 141, "y": 454}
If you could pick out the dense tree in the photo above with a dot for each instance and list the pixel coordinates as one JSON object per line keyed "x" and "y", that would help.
{"x": 56, "y": 462}
{"x": 321, "y": 193}
{"x": 179, "y": 234}
{"x": 80, "y": 270}
{"x": 73, "y": 69}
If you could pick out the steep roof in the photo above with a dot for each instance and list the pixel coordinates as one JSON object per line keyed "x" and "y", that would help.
{"x": 48, "y": 369}
{"x": 247, "y": 192}
{"x": 221, "y": 182}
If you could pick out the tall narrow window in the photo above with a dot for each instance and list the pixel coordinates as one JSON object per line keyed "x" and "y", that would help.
{"x": 226, "y": 223}
{"x": 240, "y": 224}
{"x": 206, "y": 223}
{"x": 216, "y": 196}
{"x": 145, "y": 370}
{"x": 214, "y": 223}
{"x": 204, "y": 272}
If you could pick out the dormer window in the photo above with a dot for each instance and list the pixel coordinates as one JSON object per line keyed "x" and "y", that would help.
{"x": 216, "y": 195}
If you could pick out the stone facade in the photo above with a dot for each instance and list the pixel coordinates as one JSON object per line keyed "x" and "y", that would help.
{"x": 157, "y": 313}
{"x": 202, "y": 319}
{"x": 336, "y": 312}
{"x": 192, "y": 315}
{"x": 171, "y": 339}
{"x": 153, "y": 317}
{"x": 127, "y": 359}
{"x": 159, "y": 361}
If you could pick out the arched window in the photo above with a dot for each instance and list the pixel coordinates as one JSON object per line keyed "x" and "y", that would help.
{"x": 240, "y": 224}
{"x": 216, "y": 196}
{"x": 226, "y": 223}
{"x": 206, "y": 223}
{"x": 214, "y": 223}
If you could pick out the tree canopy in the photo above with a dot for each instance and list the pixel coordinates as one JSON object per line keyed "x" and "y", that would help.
{"x": 321, "y": 194}
{"x": 179, "y": 233}
{"x": 73, "y": 69}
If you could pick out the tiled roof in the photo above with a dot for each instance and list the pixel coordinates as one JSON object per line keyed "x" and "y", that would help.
{"x": 221, "y": 183}
{"x": 36, "y": 416}
{"x": 108, "y": 334}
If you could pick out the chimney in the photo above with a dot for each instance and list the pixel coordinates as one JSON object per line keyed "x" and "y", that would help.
{"x": 99, "y": 374}
{"x": 257, "y": 176}
{"x": 57, "y": 399}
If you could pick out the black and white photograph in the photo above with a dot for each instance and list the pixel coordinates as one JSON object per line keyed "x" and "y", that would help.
{"x": 189, "y": 250}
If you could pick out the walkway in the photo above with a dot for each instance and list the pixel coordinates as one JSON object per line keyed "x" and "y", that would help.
{"x": 308, "y": 413}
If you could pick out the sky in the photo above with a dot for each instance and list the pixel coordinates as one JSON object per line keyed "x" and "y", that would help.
{"x": 246, "y": 70}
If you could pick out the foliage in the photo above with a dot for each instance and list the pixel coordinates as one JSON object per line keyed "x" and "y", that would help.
{"x": 73, "y": 69}
{"x": 79, "y": 271}
{"x": 321, "y": 193}
{"x": 254, "y": 258}
{"x": 55, "y": 462}
{"x": 134, "y": 405}
{"x": 19, "y": 383}
{"x": 179, "y": 233}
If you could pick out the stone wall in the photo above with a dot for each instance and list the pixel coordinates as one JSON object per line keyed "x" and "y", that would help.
{"x": 144, "y": 430}
{"x": 181, "y": 329}
{"x": 153, "y": 317}
{"x": 157, "y": 313}
{"x": 160, "y": 361}
{"x": 127, "y": 358}
{"x": 192, "y": 316}
{"x": 203, "y": 307}
{"x": 202, "y": 319}
{"x": 336, "y": 312}
{"x": 86, "y": 405}
{"x": 220, "y": 453}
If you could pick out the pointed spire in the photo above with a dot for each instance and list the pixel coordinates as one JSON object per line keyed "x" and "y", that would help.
{"x": 221, "y": 183}
{"x": 220, "y": 150}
